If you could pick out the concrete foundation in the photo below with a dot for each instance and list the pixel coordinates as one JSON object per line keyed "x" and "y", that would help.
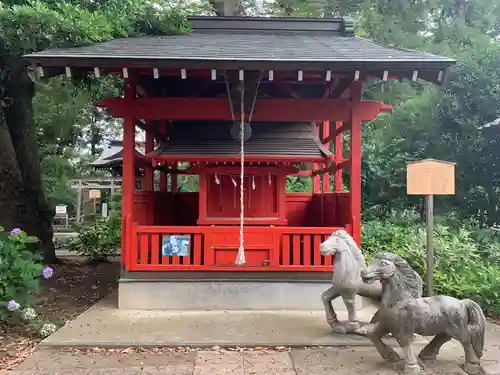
{"x": 251, "y": 293}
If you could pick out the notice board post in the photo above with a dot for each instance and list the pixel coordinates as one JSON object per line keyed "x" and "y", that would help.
{"x": 430, "y": 177}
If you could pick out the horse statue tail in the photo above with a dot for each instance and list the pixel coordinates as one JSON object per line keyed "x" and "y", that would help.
{"x": 477, "y": 325}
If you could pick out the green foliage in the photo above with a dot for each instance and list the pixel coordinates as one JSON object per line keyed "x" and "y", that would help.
{"x": 39, "y": 25}
{"x": 99, "y": 240}
{"x": 66, "y": 119}
{"x": 63, "y": 242}
{"x": 115, "y": 205}
{"x": 467, "y": 257}
{"x": 20, "y": 270}
{"x": 299, "y": 184}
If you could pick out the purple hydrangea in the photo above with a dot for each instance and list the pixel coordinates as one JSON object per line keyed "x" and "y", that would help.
{"x": 47, "y": 273}
{"x": 13, "y": 305}
{"x": 15, "y": 232}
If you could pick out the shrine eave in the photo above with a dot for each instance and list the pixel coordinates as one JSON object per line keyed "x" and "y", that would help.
{"x": 250, "y": 44}
{"x": 268, "y": 142}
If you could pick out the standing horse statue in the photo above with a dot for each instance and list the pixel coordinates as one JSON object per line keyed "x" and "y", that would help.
{"x": 403, "y": 315}
{"x": 346, "y": 282}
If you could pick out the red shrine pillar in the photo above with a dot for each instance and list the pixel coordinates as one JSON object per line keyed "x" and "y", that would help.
{"x": 128, "y": 182}
{"x": 316, "y": 178}
{"x": 148, "y": 217}
{"x": 355, "y": 161}
{"x": 326, "y": 175}
{"x": 163, "y": 175}
{"x": 339, "y": 149}
{"x": 149, "y": 173}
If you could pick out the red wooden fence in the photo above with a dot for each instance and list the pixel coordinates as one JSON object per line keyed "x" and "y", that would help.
{"x": 302, "y": 209}
{"x": 215, "y": 248}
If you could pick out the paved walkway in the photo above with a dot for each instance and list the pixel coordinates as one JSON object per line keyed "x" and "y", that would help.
{"x": 103, "y": 325}
{"x": 317, "y": 361}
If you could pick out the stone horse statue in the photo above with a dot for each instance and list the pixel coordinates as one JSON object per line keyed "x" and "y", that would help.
{"x": 346, "y": 281}
{"x": 403, "y": 315}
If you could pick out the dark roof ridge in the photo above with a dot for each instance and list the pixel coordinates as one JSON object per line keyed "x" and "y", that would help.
{"x": 337, "y": 26}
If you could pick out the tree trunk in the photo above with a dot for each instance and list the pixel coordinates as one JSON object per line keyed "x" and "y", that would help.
{"x": 36, "y": 217}
{"x": 422, "y": 210}
{"x": 12, "y": 203}
{"x": 492, "y": 206}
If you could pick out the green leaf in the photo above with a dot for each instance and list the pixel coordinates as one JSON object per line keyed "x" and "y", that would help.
{"x": 31, "y": 239}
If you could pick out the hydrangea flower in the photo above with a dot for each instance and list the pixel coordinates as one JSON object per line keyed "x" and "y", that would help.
{"x": 13, "y": 305}
{"x": 15, "y": 232}
{"x": 28, "y": 314}
{"x": 47, "y": 273}
{"x": 48, "y": 329}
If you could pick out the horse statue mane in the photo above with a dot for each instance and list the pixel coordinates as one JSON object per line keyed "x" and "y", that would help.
{"x": 350, "y": 245}
{"x": 411, "y": 279}
{"x": 348, "y": 260}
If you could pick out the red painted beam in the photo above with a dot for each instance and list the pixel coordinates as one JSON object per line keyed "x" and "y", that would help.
{"x": 317, "y": 172}
{"x": 233, "y": 158}
{"x": 338, "y": 131}
{"x": 272, "y": 110}
{"x": 250, "y": 169}
{"x": 332, "y": 168}
{"x": 342, "y": 165}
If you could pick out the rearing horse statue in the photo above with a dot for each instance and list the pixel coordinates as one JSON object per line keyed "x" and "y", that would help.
{"x": 403, "y": 315}
{"x": 346, "y": 281}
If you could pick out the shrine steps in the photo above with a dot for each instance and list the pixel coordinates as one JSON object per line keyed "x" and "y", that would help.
{"x": 232, "y": 291}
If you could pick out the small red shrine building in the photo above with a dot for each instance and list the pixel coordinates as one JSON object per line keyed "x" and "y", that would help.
{"x": 297, "y": 83}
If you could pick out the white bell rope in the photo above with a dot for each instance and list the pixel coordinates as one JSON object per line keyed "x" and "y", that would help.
{"x": 240, "y": 258}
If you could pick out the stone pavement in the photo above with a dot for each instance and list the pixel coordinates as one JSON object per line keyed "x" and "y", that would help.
{"x": 300, "y": 361}
{"x": 103, "y": 325}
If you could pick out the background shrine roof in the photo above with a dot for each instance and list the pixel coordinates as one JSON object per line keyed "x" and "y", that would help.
{"x": 268, "y": 139}
{"x": 112, "y": 155}
{"x": 248, "y": 43}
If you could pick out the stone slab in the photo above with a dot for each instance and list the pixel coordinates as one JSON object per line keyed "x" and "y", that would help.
{"x": 225, "y": 295}
{"x": 104, "y": 325}
{"x": 362, "y": 361}
{"x": 53, "y": 361}
{"x": 223, "y": 363}
{"x": 305, "y": 361}
{"x": 268, "y": 363}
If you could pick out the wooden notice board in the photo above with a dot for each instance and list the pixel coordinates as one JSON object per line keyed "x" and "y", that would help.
{"x": 94, "y": 194}
{"x": 430, "y": 177}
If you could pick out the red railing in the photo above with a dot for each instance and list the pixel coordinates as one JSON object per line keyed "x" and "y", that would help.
{"x": 215, "y": 248}
{"x": 302, "y": 250}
